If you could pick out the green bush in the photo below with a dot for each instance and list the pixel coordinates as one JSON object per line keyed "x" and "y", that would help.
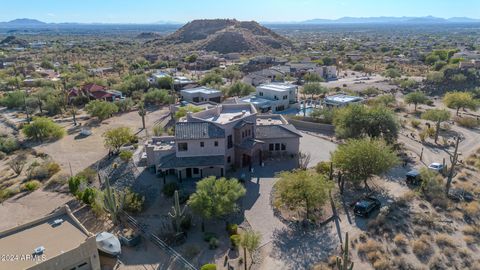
{"x": 125, "y": 155}
{"x": 169, "y": 189}
{"x": 235, "y": 240}
{"x": 133, "y": 201}
{"x": 88, "y": 195}
{"x": 75, "y": 182}
{"x": 232, "y": 229}
{"x": 208, "y": 235}
{"x": 209, "y": 266}
{"x": 89, "y": 174}
{"x": 8, "y": 145}
{"x": 43, "y": 171}
{"x": 7, "y": 193}
{"x": 323, "y": 167}
{"x": 213, "y": 243}
{"x": 415, "y": 123}
{"x": 468, "y": 122}
{"x": 31, "y": 185}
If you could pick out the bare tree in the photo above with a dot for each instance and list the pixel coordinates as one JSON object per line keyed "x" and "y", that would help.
{"x": 17, "y": 164}
{"x": 303, "y": 160}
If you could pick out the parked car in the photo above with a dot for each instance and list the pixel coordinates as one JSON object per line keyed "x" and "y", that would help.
{"x": 458, "y": 195}
{"x": 436, "y": 167}
{"x": 366, "y": 206}
{"x": 413, "y": 177}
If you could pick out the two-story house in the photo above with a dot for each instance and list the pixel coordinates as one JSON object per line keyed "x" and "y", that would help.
{"x": 214, "y": 140}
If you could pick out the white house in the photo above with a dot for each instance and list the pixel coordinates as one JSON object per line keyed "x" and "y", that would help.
{"x": 281, "y": 95}
{"x": 201, "y": 94}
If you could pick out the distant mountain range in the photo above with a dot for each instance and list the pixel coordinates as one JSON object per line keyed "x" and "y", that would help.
{"x": 32, "y": 23}
{"x": 392, "y": 20}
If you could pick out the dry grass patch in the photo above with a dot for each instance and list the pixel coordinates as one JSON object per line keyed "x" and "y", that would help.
{"x": 472, "y": 209}
{"x": 422, "y": 248}
{"x": 400, "y": 240}
{"x": 373, "y": 251}
{"x": 444, "y": 240}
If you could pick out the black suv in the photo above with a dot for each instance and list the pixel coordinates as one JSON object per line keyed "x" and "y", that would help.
{"x": 366, "y": 206}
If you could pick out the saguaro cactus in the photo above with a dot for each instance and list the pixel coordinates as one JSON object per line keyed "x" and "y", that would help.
{"x": 177, "y": 212}
{"x": 113, "y": 201}
{"x": 344, "y": 262}
{"x": 142, "y": 112}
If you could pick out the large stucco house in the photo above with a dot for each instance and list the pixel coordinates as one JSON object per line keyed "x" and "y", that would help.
{"x": 215, "y": 140}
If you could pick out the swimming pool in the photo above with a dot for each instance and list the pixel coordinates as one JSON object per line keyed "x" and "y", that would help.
{"x": 295, "y": 111}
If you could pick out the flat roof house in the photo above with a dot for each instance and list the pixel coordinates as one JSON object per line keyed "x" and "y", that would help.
{"x": 214, "y": 140}
{"x": 281, "y": 95}
{"x": 341, "y": 100}
{"x": 201, "y": 94}
{"x": 57, "y": 241}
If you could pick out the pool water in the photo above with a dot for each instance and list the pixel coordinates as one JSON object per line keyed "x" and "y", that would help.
{"x": 294, "y": 111}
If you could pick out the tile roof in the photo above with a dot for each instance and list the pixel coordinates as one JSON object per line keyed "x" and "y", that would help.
{"x": 198, "y": 130}
{"x": 276, "y": 131}
{"x": 172, "y": 161}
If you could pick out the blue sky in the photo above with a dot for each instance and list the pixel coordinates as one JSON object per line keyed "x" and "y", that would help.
{"x": 148, "y": 11}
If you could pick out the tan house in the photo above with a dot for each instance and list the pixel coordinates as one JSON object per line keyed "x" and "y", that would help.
{"x": 217, "y": 139}
{"x": 58, "y": 241}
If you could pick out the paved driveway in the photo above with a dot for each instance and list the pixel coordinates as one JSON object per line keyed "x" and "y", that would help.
{"x": 257, "y": 202}
{"x": 318, "y": 148}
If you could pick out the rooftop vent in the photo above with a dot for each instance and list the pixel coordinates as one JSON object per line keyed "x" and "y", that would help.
{"x": 39, "y": 250}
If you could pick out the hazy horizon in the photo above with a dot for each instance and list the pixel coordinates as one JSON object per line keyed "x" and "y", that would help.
{"x": 148, "y": 11}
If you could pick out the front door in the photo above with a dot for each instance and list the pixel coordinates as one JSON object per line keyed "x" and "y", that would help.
{"x": 245, "y": 160}
{"x": 189, "y": 172}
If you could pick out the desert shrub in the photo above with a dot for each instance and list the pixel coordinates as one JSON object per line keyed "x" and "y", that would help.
{"x": 444, "y": 240}
{"x": 88, "y": 195}
{"x": 235, "y": 240}
{"x": 7, "y": 193}
{"x": 406, "y": 198}
{"x": 208, "y": 266}
{"x": 381, "y": 263}
{"x": 169, "y": 189}
{"x": 88, "y": 174}
{"x": 31, "y": 185}
{"x": 421, "y": 247}
{"x": 415, "y": 123}
{"x": 400, "y": 240}
{"x": 467, "y": 122}
{"x": 158, "y": 130}
{"x": 2, "y": 155}
{"x": 191, "y": 251}
{"x": 43, "y": 171}
{"x": 472, "y": 209}
{"x": 323, "y": 167}
{"x": 213, "y": 243}
{"x": 8, "y": 145}
{"x": 133, "y": 201}
{"x": 125, "y": 155}
{"x": 57, "y": 181}
{"x": 75, "y": 182}
{"x": 208, "y": 235}
{"x": 232, "y": 229}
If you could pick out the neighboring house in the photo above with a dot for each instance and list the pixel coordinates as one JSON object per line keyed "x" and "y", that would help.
{"x": 341, "y": 100}
{"x": 281, "y": 95}
{"x": 65, "y": 242}
{"x": 217, "y": 139}
{"x": 100, "y": 71}
{"x": 201, "y": 94}
{"x": 181, "y": 82}
{"x": 95, "y": 92}
{"x": 157, "y": 75}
